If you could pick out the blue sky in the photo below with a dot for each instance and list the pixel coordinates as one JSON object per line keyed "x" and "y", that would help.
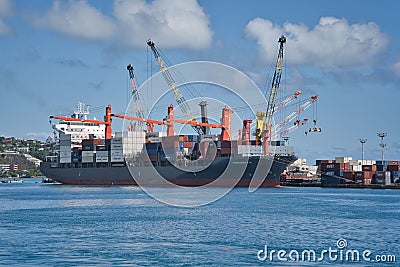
{"x": 54, "y": 53}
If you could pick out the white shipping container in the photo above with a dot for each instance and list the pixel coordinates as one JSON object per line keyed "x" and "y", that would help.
{"x": 87, "y": 159}
{"x": 101, "y": 159}
{"x": 87, "y": 154}
{"x": 102, "y": 153}
{"x": 116, "y": 146}
{"x": 117, "y": 159}
{"x": 156, "y": 134}
{"x": 356, "y": 168}
{"x": 117, "y": 152}
{"x": 256, "y": 149}
{"x": 368, "y": 162}
{"x": 355, "y": 162}
{"x": 134, "y": 134}
{"x": 65, "y": 148}
{"x": 116, "y": 142}
{"x": 65, "y": 154}
{"x": 343, "y": 159}
{"x": 281, "y": 149}
{"x": 65, "y": 159}
{"x": 154, "y": 139}
{"x": 243, "y": 149}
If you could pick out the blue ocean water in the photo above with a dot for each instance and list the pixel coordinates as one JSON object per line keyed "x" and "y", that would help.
{"x": 59, "y": 225}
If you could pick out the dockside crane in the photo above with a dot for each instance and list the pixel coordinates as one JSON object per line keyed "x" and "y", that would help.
{"x": 137, "y": 102}
{"x": 180, "y": 99}
{"x": 170, "y": 120}
{"x": 263, "y": 131}
{"x": 295, "y": 113}
{"x": 282, "y": 104}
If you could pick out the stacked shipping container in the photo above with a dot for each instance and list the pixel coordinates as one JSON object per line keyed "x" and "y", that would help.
{"x": 346, "y": 170}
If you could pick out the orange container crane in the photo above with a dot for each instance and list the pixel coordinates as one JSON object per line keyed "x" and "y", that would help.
{"x": 169, "y": 121}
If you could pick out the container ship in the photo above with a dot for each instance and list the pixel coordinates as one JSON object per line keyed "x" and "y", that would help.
{"x": 89, "y": 153}
{"x": 86, "y": 155}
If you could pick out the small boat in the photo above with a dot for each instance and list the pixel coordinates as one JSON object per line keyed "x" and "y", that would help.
{"x": 12, "y": 180}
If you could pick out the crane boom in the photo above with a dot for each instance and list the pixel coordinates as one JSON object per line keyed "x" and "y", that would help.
{"x": 135, "y": 96}
{"x": 194, "y": 123}
{"x": 296, "y": 125}
{"x": 287, "y": 100}
{"x": 183, "y": 105}
{"x": 264, "y": 119}
{"x": 292, "y": 115}
{"x": 275, "y": 83}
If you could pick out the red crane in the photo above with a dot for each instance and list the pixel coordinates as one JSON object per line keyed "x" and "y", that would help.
{"x": 169, "y": 121}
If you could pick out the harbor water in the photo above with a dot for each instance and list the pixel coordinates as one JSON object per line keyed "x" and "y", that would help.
{"x": 59, "y": 225}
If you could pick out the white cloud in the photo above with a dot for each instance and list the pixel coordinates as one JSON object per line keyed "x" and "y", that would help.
{"x": 76, "y": 18}
{"x": 171, "y": 23}
{"x": 5, "y": 10}
{"x": 332, "y": 42}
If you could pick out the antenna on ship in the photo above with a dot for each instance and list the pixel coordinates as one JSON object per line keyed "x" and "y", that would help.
{"x": 81, "y": 111}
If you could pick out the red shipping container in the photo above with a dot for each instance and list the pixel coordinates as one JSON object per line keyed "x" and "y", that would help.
{"x": 368, "y": 175}
{"x": 334, "y": 166}
{"x": 226, "y": 144}
{"x": 188, "y": 144}
{"x": 318, "y": 162}
{"x": 369, "y": 168}
{"x": 367, "y": 181}
{"x": 225, "y": 150}
{"x": 153, "y": 157}
{"x": 346, "y": 166}
{"x": 393, "y": 162}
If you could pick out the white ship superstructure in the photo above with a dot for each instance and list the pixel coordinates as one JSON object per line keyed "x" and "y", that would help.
{"x": 80, "y": 130}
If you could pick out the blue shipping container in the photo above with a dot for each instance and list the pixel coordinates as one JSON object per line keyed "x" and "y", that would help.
{"x": 152, "y": 145}
{"x": 338, "y": 172}
{"x": 101, "y": 148}
{"x": 151, "y": 151}
{"x": 88, "y": 148}
{"x": 395, "y": 174}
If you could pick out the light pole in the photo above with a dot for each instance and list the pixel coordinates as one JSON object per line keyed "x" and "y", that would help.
{"x": 362, "y": 141}
{"x": 382, "y": 145}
